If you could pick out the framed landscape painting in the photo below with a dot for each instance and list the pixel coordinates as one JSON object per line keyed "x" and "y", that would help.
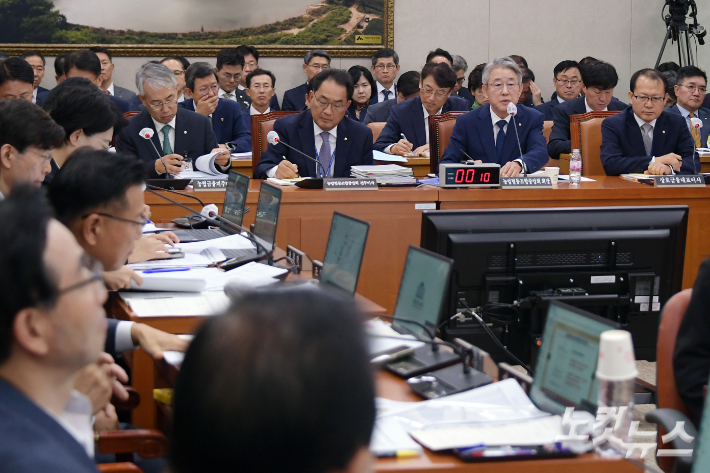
{"x": 345, "y": 28}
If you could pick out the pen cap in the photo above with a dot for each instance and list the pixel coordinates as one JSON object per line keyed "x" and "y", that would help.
{"x": 617, "y": 361}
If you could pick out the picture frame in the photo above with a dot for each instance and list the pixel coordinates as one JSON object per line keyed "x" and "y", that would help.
{"x": 322, "y": 19}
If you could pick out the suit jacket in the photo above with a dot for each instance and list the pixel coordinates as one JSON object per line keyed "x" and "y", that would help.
{"x": 228, "y": 124}
{"x": 244, "y": 100}
{"x": 32, "y": 441}
{"x": 122, "y": 105}
{"x": 379, "y": 112}
{"x": 622, "y": 145}
{"x": 124, "y": 94}
{"x": 473, "y": 133}
{"x": 110, "y": 345}
{"x": 295, "y": 99}
{"x": 546, "y": 109}
{"x": 560, "y": 137}
{"x": 465, "y": 94}
{"x": 353, "y": 146}
{"x": 376, "y": 98}
{"x": 193, "y": 138}
{"x": 706, "y": 102}
{"x": 408, "y": 118}
{"x": 41, "y": 95}
{"x": 352, "y": 112}
{"x": 704, "y": 115}
{"x": 691, "y": 358}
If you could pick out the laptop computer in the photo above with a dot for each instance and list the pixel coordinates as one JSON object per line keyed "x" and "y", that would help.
{"x": 235, "y": 198}
{"x": 344, "y": 252}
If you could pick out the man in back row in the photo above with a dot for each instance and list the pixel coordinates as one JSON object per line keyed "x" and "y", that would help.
{"x": 36, "y": 60}
{"x": 568, "y": 84}
{"x": 385, "y": 67}
{"x": 407, "y": 88}
{"x": 107, "y": 67}
{"x": 690, "y": 90}
{"x": 16, "y": 79}
{"x": 314, "y": 62}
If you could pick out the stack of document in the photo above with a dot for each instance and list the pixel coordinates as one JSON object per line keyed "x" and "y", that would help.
{"x": 385, "y": 174}
{"x": 242, "y": 156}
{"x": 205, "y": 168}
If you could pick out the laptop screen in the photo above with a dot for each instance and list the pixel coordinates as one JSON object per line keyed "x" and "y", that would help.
{"x": 343, "y": 255}
{"x": 566, "y": 366}
{"x": 422, "y": 290}
{"x": 267, "y": 214}
{"x": 235, "y": 198}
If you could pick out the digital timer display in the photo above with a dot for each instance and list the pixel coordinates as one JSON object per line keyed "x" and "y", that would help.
{"x": 469, "y": 175}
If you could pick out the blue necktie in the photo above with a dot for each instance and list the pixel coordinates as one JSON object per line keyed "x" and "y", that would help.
{"x": 500, "y": 141}
{"x": 387, "y": 94}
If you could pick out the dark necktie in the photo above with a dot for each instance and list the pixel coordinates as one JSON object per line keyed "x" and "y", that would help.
{"x": 500, "y": 141}
{"x": 387, "y": 94}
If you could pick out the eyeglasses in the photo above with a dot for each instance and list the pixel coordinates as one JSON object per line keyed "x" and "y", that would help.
{"x": 120, "y": 219}
{"x": 206, "y": 90}
{"x": 45, "y": 157}
{"x": 319, "y": 67}
{"x": 654, "y": 100}
{"x": 178, "y": 73}
{"x": 250, "y": 64}
{"x": 460, "y": 80}
{"x": 498, "y": 86}
{"x": 692, "y": 89}
{"x": 389, "y": 67}
{"x": 261, "y": 86}
{"x": 438, "y": 93}
{"x": 105, "y": 145}
{"x": 158, "y": 106}
{"x": 231, "y": 77}
{"x": 97, "y": 275}
{"x": 336, "y": 106}
{"x": 573, "y": 83}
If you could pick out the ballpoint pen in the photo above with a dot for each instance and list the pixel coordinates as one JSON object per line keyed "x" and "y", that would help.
{"x": 170, "y": 270}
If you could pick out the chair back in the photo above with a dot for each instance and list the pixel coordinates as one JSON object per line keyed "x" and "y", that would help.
{"x": 591, "y": 149}
{"x": 547, "y": 129}
{"x": 667, "y": 396}
{"x": 440, "y": 129}
{"x": 376, "y": 128}
{"x": 261, "y": 125}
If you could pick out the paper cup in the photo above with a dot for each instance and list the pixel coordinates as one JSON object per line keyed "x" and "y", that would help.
{"x": 617, "y": 361}
{"x": 553, "y": 172}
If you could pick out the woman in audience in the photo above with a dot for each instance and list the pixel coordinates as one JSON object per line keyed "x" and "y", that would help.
{"x": 475, "y": 86}
{"x": 365, "y": 89}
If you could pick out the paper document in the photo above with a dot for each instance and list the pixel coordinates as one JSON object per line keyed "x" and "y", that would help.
{"x": 252, "y": 274}
{"x": 192, "y": 280}
{"x": 199, "y": 176}
{"x": 230, "y": 242}
{"x": 170, "y": 304}
{"x": 242, "y": 156}
{"x": 205, "y": 163}
{"x": 283, "y": 182}
{"x": 393, "y": 158}
{"x": 378, "y": 344}
{"x": 533, "y": 432}
{"x": 193, "y": 259}
{"x": 389, "y": 437}
{"x": 150, "y": 228}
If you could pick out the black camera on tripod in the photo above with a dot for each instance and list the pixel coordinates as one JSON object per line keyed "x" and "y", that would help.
{"x": 678, "y": 30}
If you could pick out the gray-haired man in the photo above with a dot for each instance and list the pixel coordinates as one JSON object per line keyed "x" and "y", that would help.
{"x": 178, "y": 134}
{"x": 313, "y": 62}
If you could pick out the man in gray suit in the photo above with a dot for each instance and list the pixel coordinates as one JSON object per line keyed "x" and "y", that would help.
{"x": 107, "y": 84}
{"x": 691, "y": 89}
{"x": 407, "y": 88}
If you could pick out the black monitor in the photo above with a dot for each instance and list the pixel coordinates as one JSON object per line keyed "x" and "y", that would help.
{"x": 344, "y": 252}
{"x": 235, "y": 197}
{"x": 621, "y": 263}
{"x": 267, "y": 215}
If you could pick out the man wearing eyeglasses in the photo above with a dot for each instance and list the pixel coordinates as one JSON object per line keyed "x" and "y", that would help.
{"x": 645, "y": 139}
{"x": 182, "y": 135}
{"x": 251, "y": 63}
{"x": 16, "y": 79}
{"x": 568, "y": 84}
{"x": 599, "y": 79}
{"x": 489, "y": 134}
{"x": 385, "y": 67}
{"x": 321, "y": 133}
{"x": 225, "y": 115}
{"x": 261, "y": 89}
{"x": 407, "y": 129}
{"x": 690, "y": 90}
{"x": 314, "y": 62}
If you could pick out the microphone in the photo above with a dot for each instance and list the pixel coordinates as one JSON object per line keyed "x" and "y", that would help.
{"x": 273, "y": 139}
{"x": 147, "y": 134}
{"x": 696, "y": 123}
{"x": 226, "y": 223}
{"x": 466, "y": 154}
{"x": 513, "y": 111}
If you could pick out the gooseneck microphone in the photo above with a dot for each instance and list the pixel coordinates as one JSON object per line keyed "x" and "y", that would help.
{"x": 147, "y": 134}
{"x": 513, "y": 111}
{"x": 273, "y": 139}
{"x": 696, "y": 123}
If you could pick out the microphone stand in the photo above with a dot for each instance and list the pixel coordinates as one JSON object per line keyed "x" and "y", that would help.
{"x": 322, "y": 169}
{"x": 515, "y": 125}
{"x": 170, "y": 176}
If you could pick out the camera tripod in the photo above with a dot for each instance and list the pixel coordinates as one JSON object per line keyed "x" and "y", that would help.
{"x": 677, "y": 30}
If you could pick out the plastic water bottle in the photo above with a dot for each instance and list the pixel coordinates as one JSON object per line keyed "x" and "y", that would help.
{"x": 575, "y": 168}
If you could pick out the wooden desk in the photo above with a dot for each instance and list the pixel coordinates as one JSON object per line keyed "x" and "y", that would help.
{"x": 243, "y": 166}
{"x": 606, "y": 191}
{"x": 419, "y": 166}
{"x": 391, "y": 387}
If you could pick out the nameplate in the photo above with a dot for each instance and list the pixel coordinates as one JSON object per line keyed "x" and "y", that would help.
{"x": 209, "y": 185}
{"x": 538, "y": 182}
{"x": 334, "y": 184}
{"x": 679, "y": 181}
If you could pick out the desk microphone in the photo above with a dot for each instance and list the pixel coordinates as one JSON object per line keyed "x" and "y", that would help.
{"x": 513, "y": 111}
{"x": 697, "y": 124}
{"x": 273, "y": 138}
{"x": 147, "y": 134}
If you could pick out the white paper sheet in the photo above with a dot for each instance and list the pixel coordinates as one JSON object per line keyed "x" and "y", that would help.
{"x": 393, "y": 158}
{"x": 389, "y": 437}
{"x": 164, "y": 304}
{"x": 379, "y": 345}
{"x": 193, "y": 280}
{"x": 242, "y": 156}
{"x": 230, "y": 242}
{"x": 565, "y": 177}
{"x": 200, "y": 176}
{"x": 205, "y": 163}
{"x": 192, "y": 259}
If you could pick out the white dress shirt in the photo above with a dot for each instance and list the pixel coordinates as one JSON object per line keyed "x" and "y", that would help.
{"x": 381, "y": 96}
{"x": 110, "y": 89}
{"x": 589, "y": 109}
{"x": 34, "y": 95}
{"x": 77, "y": 420}
{"x": 686, "y": 114}
{"x": 232, "y": 95}
{"x": 253, "y": 111}
{"x": 171, "y": 134}
{"x": 495, "y": 119}
{"x": 333, "y": 139}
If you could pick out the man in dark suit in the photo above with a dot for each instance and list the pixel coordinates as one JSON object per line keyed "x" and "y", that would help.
{"x": 440, "y": 56}
{"x": 85, "y": 63}
{"x": 568, "y": 84}
{"x": 251, "y": 63}
{"x": 36, "y": 60}
{"x": 407, "y": 88}
{"x": 385, "y": 67}
{"x": 690, "y": 89}
{"x": 487, "y": 133}
{"x": 261, "y": 89}
{"x": 321, "y": 133}
{"x": 226, "y": 116}
{"x": 313, "y": 62}
{"x": 407, "y": 130}
{"x": 644, "y": 138}
{"x": 107, "y": 68}
{"x": 179, "y": 133}
{"x": 599, "y": 80}
{"x": 706, "y": 102}
{"x": 460, "y": 66}
{"x": 16, "y": 79}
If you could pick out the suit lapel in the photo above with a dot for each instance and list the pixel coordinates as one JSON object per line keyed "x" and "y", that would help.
{"x": 485, "y": 131}
{"x": 308, "y": 142}
{"x": 580, "y": 107}
{"x": 181, "y": 132}
{"x": 218, "y": 120}
{"x": 660, "y": 135}
{"x": 633, "y": 132}
{"x": 418, "y": 126}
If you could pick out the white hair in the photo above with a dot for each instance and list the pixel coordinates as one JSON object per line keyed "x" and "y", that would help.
{"x": 502, "y": 62}
{"x": 157, "y": 75}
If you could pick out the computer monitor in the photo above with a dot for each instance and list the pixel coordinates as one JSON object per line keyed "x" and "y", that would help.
{"x": 235, "y": 198}
{"x": 344, "y": 252}
{"x": 267, "y": 215}
{"x": 621, "y": 263}
{"x": 422, "y": 291}
{"x": 565, "y": 371}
